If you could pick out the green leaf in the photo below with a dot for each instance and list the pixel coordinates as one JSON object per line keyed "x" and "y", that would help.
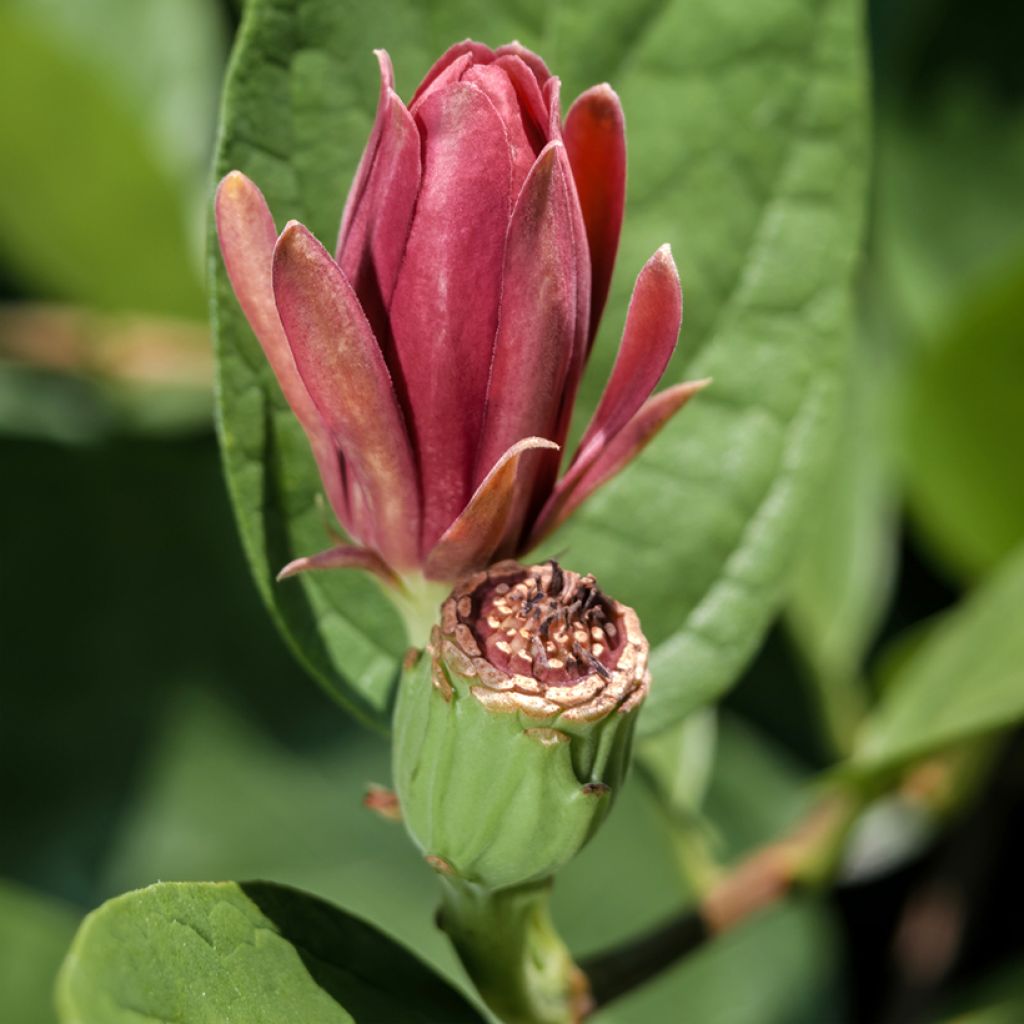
{"x": 34, "y": 935}
{"x": 746, "y": 134}
{"x": 966, "y": 677}
{"x": 964, "y": 431}
{"x": 88, "y": 210}
{"x": 845, "y": 573}
{"x": 243, "y": 953}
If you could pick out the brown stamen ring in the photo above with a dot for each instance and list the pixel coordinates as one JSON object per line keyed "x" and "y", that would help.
{"x": 542, "y": 640}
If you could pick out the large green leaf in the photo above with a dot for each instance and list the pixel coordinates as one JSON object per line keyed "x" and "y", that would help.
{"x": 965, "y": 430}
{"x": 965, "y": 677}
{"x": 746, "y": 135}
{"x": 34, "y": 935}
{"x": 243, "y": 953}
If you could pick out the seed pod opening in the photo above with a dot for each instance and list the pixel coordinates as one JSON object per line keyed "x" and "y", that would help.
{"x": 513, "y": 732}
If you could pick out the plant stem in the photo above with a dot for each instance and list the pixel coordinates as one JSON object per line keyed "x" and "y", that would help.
{"x": 509, "y": 946}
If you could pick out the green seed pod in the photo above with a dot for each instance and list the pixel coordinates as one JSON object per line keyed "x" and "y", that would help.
{"x": 513, "y": 729}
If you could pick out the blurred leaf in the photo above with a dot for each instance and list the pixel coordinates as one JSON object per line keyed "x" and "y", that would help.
{"x": 747, "y": 149}
{"x": 998, "y": 998}
{"x": 89, "y": 212}
{"x": 757, "y": 791}
{"x": 74, "y": 375}
{"x": 780, "y": 968}
{"x": 218, "y": 799}
{"x": 123, "y": 580}
{"x": 164, "y": 59}
{"x": 243, "y": 953}
{"x": 678, "y": 761}
{"x": 845, "y": 573}
{"x": 947, "y": 178}
{"x": 725, "y": 792}
{"x": 965, "y": 677}
{"x": 34, "y": 935}
{"x": 964, "y": 430}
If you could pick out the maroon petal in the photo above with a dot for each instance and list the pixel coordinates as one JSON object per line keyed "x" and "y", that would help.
{"x": 537, "y": 323}
{"x": 359, "y": 182}
{"x": 501, "y": 92}
{"x": 343, "y": 369}
{"x": 378, "y": 215}
{"x": 247, "y": 237}
{"x": 445, "y": 308}
{"x": 473, "y": 540}
{"x": 528, "y": 57}
{"x": 574, "y": 488}
{"x": 467, "y": 52}
{"x": 552, "y": 90}
{"x": 344, "y": 556}
{"x": 595, "y": 136}
{"x": 581, "y": 263}
{"x": 533, "y": 106}
{"x": 648, "y": 341}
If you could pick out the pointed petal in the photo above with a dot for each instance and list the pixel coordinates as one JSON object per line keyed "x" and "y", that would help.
{"x": 595, "y": 136}
{"x": 343, "y": 370}
{"x": 378, "y": 215}
{"x": 445, "y": 308}
{"x": 474, "y": 539}
{"x": 344, "y": 556}
{"x": 581, "y": 263}
{"x": 552, "y": 91}
{"x": 575, "y": 487}
{"x": 648, "y": 341}
{"x": 359, "y": 182}
{"x": 247, "y": 237}
{"x": 537, "y": 322}
{"x": 467, "y": 52}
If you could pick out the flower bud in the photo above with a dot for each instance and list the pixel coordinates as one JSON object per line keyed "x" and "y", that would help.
{"x": 513, "y": 729}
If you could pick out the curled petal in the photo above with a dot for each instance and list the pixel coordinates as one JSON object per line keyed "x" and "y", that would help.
{"x": 501, "y": 91}
{"x": 344, "y": 556}
{"x": 575, "y": 487}
{"x": 378, "y": 215}
{"x": 245, "y": 229}
{"x": 445, "y": 308}
{"x": 343, "y": 370}
{"x": 474, "y": 538}
{"x": 528, "y": 57}
{"x": 595, "y": 137}
{"x": 532, "y": 104}
{"x": 648, "y": 341}
{"x": 465, "y": 53}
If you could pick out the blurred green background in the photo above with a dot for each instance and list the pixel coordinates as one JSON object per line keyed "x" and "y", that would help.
{"x": 152, "y": 725}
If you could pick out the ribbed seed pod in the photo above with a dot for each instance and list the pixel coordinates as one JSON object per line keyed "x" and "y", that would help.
{"x": 513, "y": 728}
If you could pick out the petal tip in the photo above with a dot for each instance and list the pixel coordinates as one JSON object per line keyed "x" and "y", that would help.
{"x": 293, "y": 568}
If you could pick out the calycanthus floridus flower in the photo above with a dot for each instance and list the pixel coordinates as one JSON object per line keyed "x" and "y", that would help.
{"x": 434, "y": 359}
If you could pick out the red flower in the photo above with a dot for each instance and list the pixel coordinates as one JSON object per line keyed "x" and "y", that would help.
{"x": 437, "y": 354}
